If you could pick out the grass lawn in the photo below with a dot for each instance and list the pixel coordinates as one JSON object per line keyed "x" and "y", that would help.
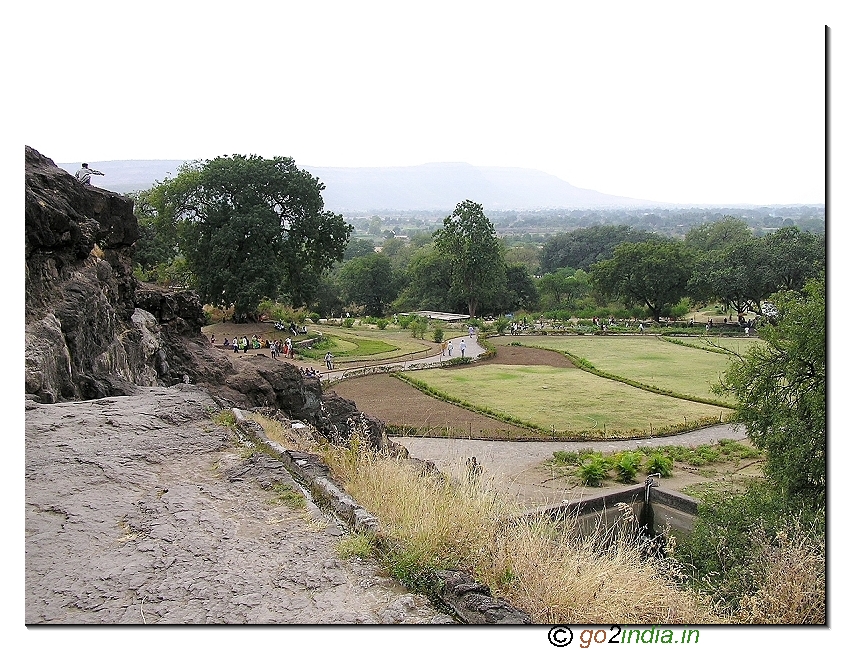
{"x": 372, "y": 344}
{"x": 647, "y": 359}
{"x": 568, "y": 399}
{"x": 734, "y": 345}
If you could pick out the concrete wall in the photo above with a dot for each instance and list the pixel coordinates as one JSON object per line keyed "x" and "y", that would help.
{"x": 603, "y": 512}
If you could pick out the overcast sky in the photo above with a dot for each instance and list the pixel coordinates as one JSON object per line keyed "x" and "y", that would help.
{"x": 719, "y": 102}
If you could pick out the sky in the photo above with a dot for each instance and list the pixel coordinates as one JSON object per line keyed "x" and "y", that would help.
{"x": 699, "y": 103}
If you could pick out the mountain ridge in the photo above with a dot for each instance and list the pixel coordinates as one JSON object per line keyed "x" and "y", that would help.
{"x": 430, "y": 186}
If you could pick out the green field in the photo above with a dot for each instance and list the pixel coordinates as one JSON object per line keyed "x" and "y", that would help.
{"x": 568, "y": 399}
{"x": 647, "y": 359}
{"x": 734, "y": 345}
{"x": 365, "y": 344}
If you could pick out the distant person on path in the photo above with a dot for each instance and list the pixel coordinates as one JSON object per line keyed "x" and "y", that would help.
{"x": 473, "y": 470}
{"x": 443, "y": 346}
{"x": 235, "y": 345}
{"x": 329, "y": 360}
{"x": 471, "y": 331}
{"x": 450, "y": 347}
{"x": 84, "y": 174}
{"x": 462, "y": 348}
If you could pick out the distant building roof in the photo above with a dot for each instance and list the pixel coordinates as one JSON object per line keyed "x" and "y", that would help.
{"x": 438, "y": 315}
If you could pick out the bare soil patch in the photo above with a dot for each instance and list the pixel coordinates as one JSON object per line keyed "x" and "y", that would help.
{"x": 396, "y": 403}
{"x": 508, "y": 355}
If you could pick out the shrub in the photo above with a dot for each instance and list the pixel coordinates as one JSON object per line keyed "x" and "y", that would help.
{"x": 418, "y": 327}
{"x": 382, "y": 323}
{"x": 501, "y": 324}
{"x": 659, "y": 463}
{"x": 438, "y": 334}
{"x": 348, "y": 323}
{"x": 594, "y": 471}
{"x": 315, "y": 317}
{"x": 626, "y": 464}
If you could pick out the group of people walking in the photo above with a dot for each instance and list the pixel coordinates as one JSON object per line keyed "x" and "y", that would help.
{"x": 277, "y": 347}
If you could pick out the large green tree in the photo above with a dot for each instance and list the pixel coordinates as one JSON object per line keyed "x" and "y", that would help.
{"x": 251, "y": 228}
{"x": 737, "y": 275}
{"x": 427, "y": 283}
{"x": 780, "y": 388}
{"x": 794, "y": 257}
{"x": 653, "y": 274}
{"x": 368, "y": 281}
{"x": 718, "y": 235}
{"x": 468, "y": 239}
{"x": 583, "y": 247}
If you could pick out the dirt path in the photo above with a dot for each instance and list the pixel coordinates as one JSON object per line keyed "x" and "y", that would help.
{"x": 141, "y": 510}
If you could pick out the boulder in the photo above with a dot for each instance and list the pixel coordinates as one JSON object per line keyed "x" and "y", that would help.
{"x": 93, "y": 330}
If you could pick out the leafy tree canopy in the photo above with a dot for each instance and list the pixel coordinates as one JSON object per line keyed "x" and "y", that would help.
{"x": 781, "y": 391}
{"x": 468, "y": 239}
{"x": 654, "y": 274}
{"x": 251, "y": 228}
{"x": 583, "y": 247}
{"x": 368, "y": 281}
{"x": 719, "y": 234}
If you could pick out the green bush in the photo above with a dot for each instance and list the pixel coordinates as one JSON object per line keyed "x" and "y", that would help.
{"x": 594, "y": 471}
{"x": 501, "y": 324}
{"x": 315, "y": 317}
{"x": 438, "y": 334}
{"x": 382, "y": 323}
{"x": 626, "y": 465}
{"x": 348, "y": 323}
{"x": 659, "y": 463}
{"x": 418, "y": 327}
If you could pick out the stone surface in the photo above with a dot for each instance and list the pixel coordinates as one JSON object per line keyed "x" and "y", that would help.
{"x": 93, "y": 331}
{"x": 139, "y": 509}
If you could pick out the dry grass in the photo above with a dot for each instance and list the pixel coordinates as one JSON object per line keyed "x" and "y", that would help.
{"x": 792, "y": 581}
{"x": 537, "y": 565}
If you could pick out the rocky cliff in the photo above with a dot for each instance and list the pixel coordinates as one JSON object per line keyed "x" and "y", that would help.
{"x": 93, "y": 331}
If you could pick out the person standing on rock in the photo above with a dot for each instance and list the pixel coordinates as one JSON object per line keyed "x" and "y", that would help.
{"x": 84, "y": 174}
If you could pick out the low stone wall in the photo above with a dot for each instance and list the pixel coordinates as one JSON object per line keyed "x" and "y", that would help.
{"x": 470, "y": 601}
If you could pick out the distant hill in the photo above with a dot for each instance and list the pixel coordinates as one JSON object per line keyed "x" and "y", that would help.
{"x": 435, "y": 186}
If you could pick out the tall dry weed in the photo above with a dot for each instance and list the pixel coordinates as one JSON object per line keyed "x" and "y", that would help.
{"x": 791, "y": 574}
{"x": 539, "y": 565}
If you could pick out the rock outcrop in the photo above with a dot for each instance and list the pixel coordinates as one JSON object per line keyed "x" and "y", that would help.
{"x": 94, "y": 331}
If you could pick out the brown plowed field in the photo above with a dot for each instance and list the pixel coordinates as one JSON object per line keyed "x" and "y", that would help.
{"x": 396, "y": 403}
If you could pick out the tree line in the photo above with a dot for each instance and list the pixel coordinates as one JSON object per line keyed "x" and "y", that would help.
{"x": 244, "y": 229}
